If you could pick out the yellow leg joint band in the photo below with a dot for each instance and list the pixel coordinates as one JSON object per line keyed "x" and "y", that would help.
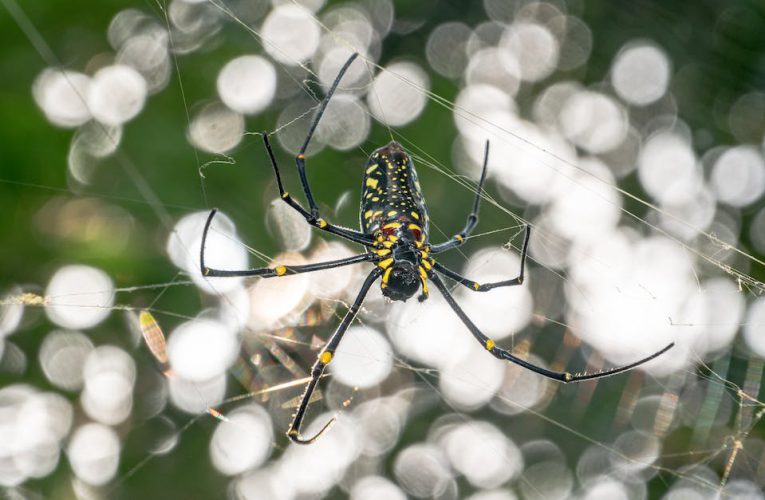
{"x": 476, "y": 286}
{"x": 385, "y": 263}
{"x": 322, "y": 223}
{"x": 423, "y": 274}
{"x": 326, "y": 357}
{"x": 489, "y": 344}
{"x": 280, "y": 270}
{"x": 386, "y": 276}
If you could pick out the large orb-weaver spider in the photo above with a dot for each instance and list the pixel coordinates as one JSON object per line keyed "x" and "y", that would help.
{"x": 394, "y": 229}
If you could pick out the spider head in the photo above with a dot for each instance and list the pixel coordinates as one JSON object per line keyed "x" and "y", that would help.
{"x": 402, "y": 279}
{"x": 402, "y": 282}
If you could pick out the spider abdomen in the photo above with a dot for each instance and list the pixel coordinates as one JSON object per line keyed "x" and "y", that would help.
{"x": 392, "y": 202}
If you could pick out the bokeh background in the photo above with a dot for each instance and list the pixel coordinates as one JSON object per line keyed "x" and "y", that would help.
{"x": 629, "y": 135}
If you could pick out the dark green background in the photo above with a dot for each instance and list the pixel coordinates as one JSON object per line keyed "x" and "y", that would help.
{"x": 717, "y": 50}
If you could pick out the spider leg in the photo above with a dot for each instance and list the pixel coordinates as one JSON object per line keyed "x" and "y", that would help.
{"x": 484, "y": 287}
{"x": 300, "y": 158}
{"x": 472, "y": 219}
{"x": 313, "y": 219}
{"x": 325, "y": 357}
{"x": 312, "y": 214}
{"x": 507, "y": 356}
{"x": 270, "y": 272}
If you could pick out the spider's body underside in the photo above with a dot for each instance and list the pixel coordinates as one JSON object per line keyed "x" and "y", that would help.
{"x": 393, "y": 211}
{"x": 394, "y": 230}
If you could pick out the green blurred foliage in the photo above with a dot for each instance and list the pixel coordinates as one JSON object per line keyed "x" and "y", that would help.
{"x": 718, "y": 52}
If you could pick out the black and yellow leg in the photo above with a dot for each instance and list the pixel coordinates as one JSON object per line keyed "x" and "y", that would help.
{"x": 312, "y": 214}
{"x": 325, "y": 357}
{"x": 270, "y": 272}
{"x": 472, "y": 219}
{"x": 313, "y": 217}
{"x": 300, "y": 158}
{"x": 483, "y": 287}
{"x": 500, "y": 353}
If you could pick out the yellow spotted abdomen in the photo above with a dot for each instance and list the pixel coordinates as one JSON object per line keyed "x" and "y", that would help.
{"x": 391, "y": 192}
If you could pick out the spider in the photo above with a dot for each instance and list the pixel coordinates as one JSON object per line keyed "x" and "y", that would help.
{"x": 394, "y": 230}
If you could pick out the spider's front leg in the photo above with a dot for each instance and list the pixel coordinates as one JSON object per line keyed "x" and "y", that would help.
{"x": 324, "y": 359}
{"x": 505, "y": 355}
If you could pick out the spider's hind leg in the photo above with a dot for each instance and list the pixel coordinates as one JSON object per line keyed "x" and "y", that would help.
{"x": 312, "y": 214}
{"x": 300, "y": 158}
{"x": 472, "y": 219}
{"x": 314, "y": 220}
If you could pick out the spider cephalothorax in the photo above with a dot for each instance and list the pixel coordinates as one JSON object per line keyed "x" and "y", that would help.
{"x": 405, "y": 269}
{"x": 394, "y": 229}
{"x": 402, "y": 281}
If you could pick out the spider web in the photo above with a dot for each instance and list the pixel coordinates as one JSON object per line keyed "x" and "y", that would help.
{"x": 694, "y": 428}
